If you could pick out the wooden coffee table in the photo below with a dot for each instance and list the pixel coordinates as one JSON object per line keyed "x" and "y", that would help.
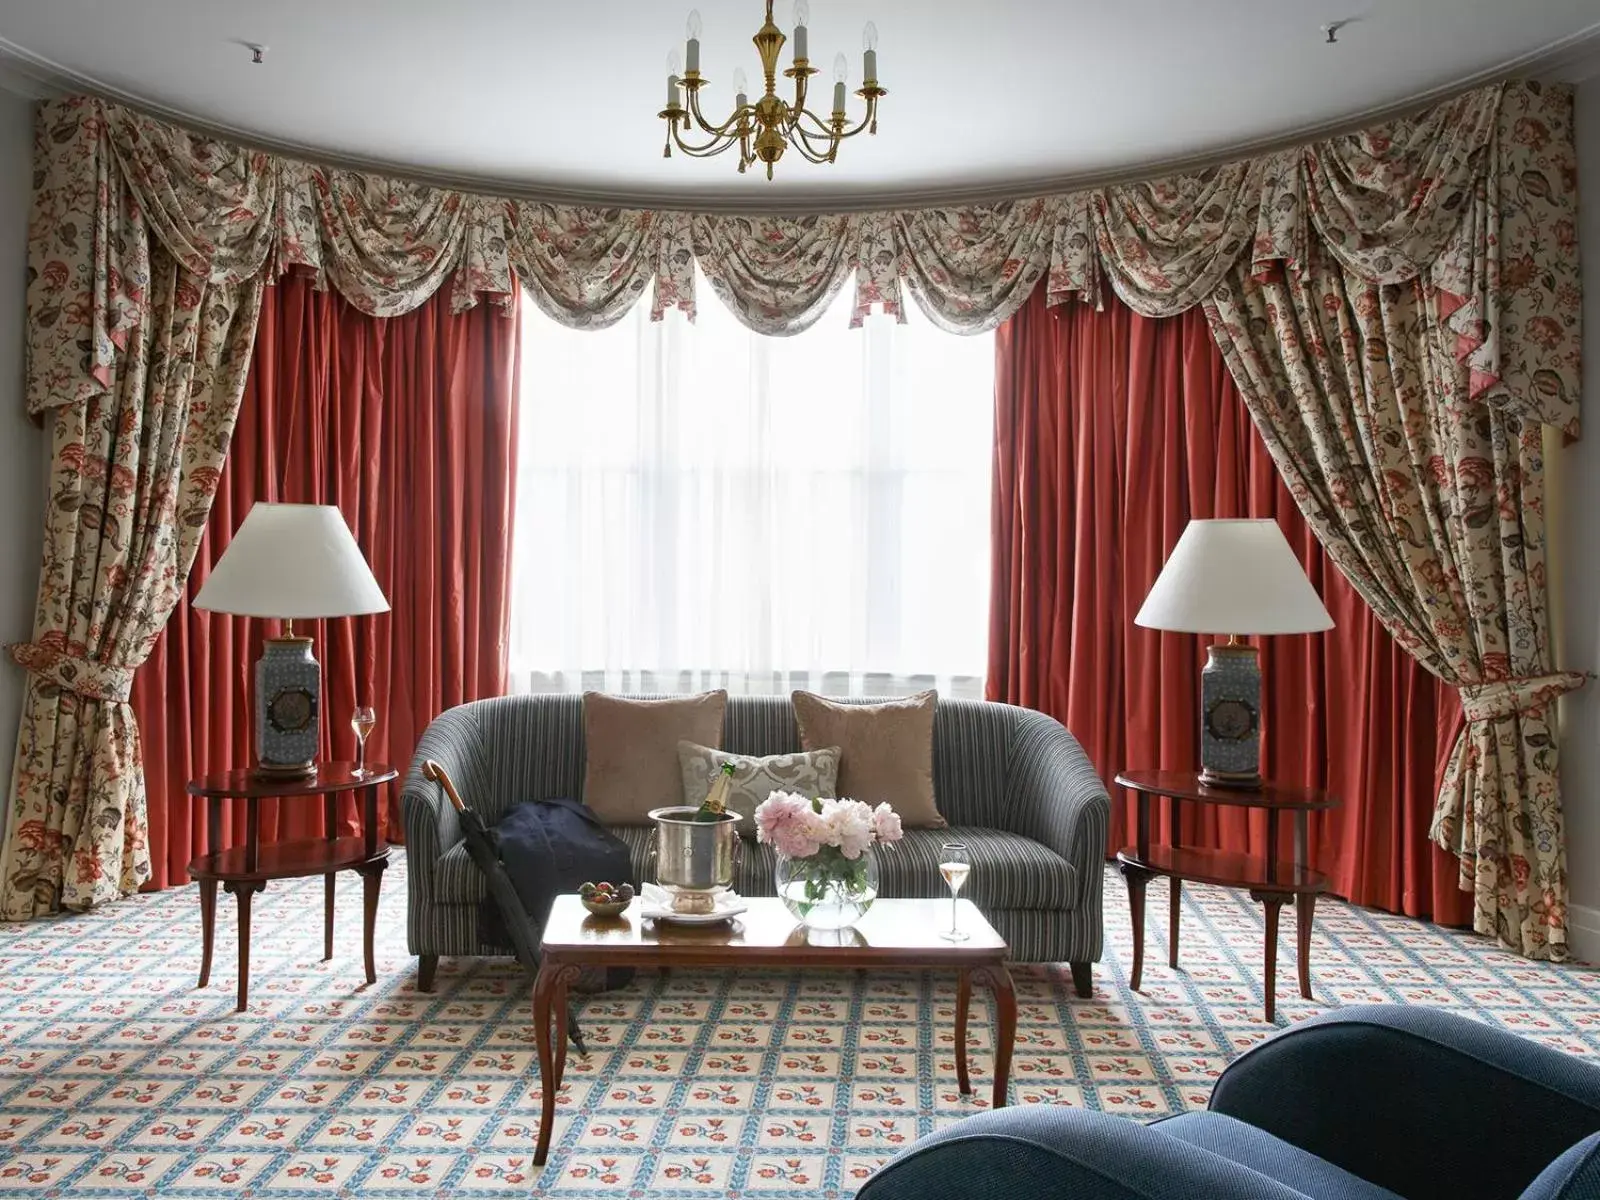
{"x": 902, "y": 934}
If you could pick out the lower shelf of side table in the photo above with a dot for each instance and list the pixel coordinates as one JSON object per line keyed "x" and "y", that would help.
{"x": 286, "y": 860}
{"x": 1226, "y": 868}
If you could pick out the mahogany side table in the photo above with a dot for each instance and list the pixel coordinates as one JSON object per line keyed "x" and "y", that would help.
{"x": 1270, "y": 882}
{"x": 245, "y": 870}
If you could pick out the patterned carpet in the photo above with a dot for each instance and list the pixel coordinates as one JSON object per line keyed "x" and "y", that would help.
{"x": 119, "y": 1078}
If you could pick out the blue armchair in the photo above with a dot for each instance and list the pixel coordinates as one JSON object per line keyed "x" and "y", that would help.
{"x": 1365, "y": 1103}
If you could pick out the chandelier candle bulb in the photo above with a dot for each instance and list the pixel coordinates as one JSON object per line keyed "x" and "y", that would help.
{"x": 802, "y": 18}
{"x": 869, "y": 54}
{"x": 691, "y": 51}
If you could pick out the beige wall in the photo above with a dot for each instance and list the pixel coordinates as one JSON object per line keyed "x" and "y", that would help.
{"x": 22, "y": 449}
{"x": 1576, "y": 505}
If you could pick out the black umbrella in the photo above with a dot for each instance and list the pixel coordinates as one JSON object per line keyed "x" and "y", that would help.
{"x": 484, "y": 847}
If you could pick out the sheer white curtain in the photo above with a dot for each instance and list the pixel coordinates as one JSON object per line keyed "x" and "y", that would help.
{"x": 701, "y": 506}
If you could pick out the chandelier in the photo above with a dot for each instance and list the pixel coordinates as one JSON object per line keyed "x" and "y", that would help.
{"x": 764, "y": 129}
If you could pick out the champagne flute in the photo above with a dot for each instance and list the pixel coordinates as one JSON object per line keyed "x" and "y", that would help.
{"x": 955, "y": 866}
{"x": 362, "y": 721}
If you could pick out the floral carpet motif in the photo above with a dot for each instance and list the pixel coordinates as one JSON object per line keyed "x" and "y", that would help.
{"x": 119, "y": 1078}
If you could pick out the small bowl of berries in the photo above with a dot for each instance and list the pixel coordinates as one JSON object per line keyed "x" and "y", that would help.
{"x": 605, "y": 899}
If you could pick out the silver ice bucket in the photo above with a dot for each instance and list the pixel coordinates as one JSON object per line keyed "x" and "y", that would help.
{"x": 695, "y": 856}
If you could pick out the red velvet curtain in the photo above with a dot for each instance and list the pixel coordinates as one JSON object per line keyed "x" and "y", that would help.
{"x": 409, "y": 425}
{"x": 1112, "y": 431}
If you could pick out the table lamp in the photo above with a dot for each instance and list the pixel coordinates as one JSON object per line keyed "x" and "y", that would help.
{"x": 1236, "y": 577}
{"x": 292, "y": 562}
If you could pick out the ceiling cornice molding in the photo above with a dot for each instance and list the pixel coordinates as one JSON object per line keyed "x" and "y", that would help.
{"x": 1570, "y": 59}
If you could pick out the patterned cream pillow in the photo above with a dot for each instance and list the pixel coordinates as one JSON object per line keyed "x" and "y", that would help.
{"x": 811, "y": 773}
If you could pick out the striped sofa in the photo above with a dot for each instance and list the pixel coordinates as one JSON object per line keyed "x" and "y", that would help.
{"x": 1015, "y": 786}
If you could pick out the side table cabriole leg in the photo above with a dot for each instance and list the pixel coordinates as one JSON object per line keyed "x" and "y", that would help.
{"x": 1005, "y": 1026}
{"x": 208, "y": 927}
{"x": 963, "y": 1001}
{"x": 1273, "y": 903}
{"x": 244, "y": 890}
{"x": 330, "y": 831}
{"x": 1136, "y": 878}
{"x": 371, "y": 880}
{"x": 1174, "y": 908}
{"x": 1305, "y": 908}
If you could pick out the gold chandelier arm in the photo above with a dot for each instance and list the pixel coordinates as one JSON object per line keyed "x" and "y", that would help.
{"x": 706, "y": 126}
{"x": 710, "y": 149}
{"x": 806, "y": 152}
{"x": 823, "y": 128}
{"x": 869, "y": 123}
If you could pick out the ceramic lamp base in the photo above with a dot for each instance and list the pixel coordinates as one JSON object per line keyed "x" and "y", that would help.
{"x": 1230, "y": 717}
{"x": 288, "y": 701}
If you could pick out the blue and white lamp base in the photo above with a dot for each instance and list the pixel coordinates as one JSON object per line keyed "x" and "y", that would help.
{"x": 288, "y": 699}
{"x": 1230, "y": 717}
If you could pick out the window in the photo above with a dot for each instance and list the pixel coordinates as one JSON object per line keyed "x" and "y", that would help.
{"x": 701, "y": 506}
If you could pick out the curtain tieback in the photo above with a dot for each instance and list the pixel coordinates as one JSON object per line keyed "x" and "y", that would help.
{"x": 1508, "y": 697}
{"x": 74, "y": 672}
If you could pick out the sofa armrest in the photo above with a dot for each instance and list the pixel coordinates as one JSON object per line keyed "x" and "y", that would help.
{"x": 1058, "y": 799}
{"x": 1404, "y": 1097}
{"x": 432, "y": 826}
{"x": 1052, "y": 1152}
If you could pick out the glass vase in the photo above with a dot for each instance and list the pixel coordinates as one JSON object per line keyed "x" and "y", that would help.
{"x": 826, "y": 890}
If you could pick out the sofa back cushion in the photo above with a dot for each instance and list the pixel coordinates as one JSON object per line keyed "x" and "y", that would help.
{"x": 632, "y": 750}
{"x": 536, "y": 747}
{"x": 887, "y": 751}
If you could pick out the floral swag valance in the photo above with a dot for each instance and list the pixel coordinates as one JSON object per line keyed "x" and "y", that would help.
{"x": 1399, "y": 307}
{"x": 1443, "y": 194}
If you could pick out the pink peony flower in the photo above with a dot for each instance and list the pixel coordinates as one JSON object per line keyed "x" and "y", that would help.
{"x": 850, "y": 827}
{"x": 799, "y": 827}
{"x": 788, "y": 822}
{"x": 886, "y": 824}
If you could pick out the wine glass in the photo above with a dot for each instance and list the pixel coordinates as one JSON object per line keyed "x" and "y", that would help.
{"x": 955, "y": 866}
{"x": 362, "y": 721}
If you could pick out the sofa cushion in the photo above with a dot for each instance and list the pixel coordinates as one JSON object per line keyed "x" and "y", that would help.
{"x": 887, "y": 748}
{"x": 809, "y": 772}
{"x": 632, "y": 764}
{"x": 1272, "y": 1157}
{"x": 1009, "y": 871}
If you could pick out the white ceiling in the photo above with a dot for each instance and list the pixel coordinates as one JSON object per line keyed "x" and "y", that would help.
{"x": 986, "y": 96}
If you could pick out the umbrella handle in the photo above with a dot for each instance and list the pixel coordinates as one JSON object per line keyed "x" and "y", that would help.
{"x": 432, "y": 770}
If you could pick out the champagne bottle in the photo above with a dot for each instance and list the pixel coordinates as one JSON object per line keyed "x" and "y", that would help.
{"x": 716, "y": 801}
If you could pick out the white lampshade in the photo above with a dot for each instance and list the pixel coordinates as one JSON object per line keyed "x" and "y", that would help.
{"x": 1233, "y": 577}
{"x": 292, "y": 561}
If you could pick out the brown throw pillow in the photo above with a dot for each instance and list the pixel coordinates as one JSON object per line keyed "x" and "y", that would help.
{"x": 632, "y": 750}
{"x": 888, "y": 751}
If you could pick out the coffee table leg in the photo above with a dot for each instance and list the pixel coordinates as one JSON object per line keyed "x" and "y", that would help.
{"x": 562, "y": 1036}
{"x": 543, "y": 986}
{"x": 963, "y": 1001}
{"x": 1005, "y": 1027}
{"x": 549, "y": 990}
{"x": 1136, "y": 878}
{"x": 208, "y": 927}
{"x": 1305, "y": 908}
